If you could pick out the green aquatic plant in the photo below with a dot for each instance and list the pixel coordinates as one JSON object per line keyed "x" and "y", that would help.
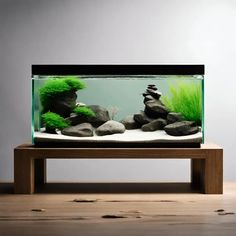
{"x": 84, "y": 111}
{"x": 186, "y": 98}
{"x": 54, "y": 88}
{"x": 74, "y": 82}
{"x": 53, "y": 121}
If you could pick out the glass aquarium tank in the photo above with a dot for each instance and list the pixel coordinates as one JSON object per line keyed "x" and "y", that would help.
{"x": 118, "y": 105}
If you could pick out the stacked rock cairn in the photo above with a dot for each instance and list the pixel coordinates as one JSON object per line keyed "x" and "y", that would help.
{"x": 156, "y": 116}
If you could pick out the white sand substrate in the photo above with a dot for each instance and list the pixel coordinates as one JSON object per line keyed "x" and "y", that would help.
{"x": 136, "y": 135}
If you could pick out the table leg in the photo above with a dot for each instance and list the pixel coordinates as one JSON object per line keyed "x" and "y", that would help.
{"x": 197, "y": 172}
{"x": 23, "y": 172}
{"x": 213, "y": 172}
{"x": 40, "y": 171}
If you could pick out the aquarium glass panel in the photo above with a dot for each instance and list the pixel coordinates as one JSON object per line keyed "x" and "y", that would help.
{"x": 120, "y": 109}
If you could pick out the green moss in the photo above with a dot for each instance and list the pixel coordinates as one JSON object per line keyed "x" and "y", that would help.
{"x": 54, "y": 121}
{"x": 55, "y": 87}
{"x": 84, "y": 111}
{"x": 186, "y": 98}
{"x": 74, "y": 82}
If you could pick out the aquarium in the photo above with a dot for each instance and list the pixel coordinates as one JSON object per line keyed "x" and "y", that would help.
{"x": 118, "y": 105}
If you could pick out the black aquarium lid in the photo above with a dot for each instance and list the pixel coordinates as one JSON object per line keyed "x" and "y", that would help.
{"x": 117, "y": 69}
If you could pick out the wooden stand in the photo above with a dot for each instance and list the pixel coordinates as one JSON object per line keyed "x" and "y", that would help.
{"x": 206, "y": 163}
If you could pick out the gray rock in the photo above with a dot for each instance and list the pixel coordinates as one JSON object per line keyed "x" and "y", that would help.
{"x": 142, "y": 118}
{"x": 152, "y": 87}
{"x": 81, "y": 130}
{"x": 155, "y": 109}
{"x": 157, "y": 124}
{"x": 153, "y": 93}
{"x": 173, "y": 117}
{"x": 110, "y": 127}
{"x": 181, "y": 128}
{"x": 101, "y": 116}
{"x": 147, "y": 98}
{"x": 62, "y": 104}
{"x": 75, "y": 119}
{"x": 130, "y": 123}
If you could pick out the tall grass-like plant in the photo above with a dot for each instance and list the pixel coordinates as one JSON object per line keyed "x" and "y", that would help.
{"x": 186, "y": 98}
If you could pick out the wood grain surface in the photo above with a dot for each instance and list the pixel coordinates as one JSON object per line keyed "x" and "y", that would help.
{"x": 119, "y": 214}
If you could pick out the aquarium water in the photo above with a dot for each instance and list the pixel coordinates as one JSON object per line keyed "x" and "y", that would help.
{"x": 117, "y": 108}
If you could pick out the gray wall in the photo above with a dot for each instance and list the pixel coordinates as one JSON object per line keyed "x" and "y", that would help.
{"x": 124, "y": 31}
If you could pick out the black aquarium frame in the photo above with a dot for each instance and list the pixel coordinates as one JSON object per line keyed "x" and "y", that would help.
{"x": 117, "y": 69}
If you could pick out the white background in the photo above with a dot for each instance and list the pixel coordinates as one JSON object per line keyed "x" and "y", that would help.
{"x": 111, "y": 31}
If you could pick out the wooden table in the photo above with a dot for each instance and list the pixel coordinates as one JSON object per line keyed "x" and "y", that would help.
{"x": 206, "y": 163}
